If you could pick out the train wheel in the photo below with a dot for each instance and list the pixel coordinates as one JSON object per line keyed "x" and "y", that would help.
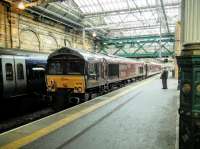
{"x": 59, "y": 101}
{"x": 106, "y": 89}
{"x": 84, "y": 98}
{"x": 90, "y": 96}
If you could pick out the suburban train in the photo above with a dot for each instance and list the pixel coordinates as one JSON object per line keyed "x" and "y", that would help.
{"x": 73, "y": 75}
{"x": 21, "y": 73}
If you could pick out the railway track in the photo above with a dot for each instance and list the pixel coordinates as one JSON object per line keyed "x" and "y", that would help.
{"x": 24, "y": 119}
{"x": 20, "y": 112}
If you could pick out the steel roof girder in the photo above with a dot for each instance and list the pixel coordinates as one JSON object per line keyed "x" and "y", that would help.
{"x": 165, "y": 16}
{"x": 142, "y": 41}
{"x": 142, "y": 37}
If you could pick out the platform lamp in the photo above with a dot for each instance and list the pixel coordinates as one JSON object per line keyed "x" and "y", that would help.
{"x": 21, "y": 5}
{"x": 94, "y": 34}
{"x": 189, "y": 64}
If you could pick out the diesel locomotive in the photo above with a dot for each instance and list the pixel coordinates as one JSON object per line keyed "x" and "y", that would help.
{"x": 21, "y": 73}
{"x": 74, "y": 74}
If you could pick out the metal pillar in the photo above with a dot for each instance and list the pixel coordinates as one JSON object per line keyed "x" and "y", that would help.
{"x": 83, "y": 38}
{"x": 94, "y": 44}
{"x": 189, "y": 64}
{"x": 160, "y": 52}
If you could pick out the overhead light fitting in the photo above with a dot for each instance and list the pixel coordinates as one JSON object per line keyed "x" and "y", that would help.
{"x": 94, "y": 34}
{"x": 21, "y": 5}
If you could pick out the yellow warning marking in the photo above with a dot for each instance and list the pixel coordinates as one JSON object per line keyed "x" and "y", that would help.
{"x": 44, "y": 131}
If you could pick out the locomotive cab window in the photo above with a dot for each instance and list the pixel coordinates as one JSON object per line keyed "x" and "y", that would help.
{"x": 140, "y": 70}
{"x": 55, "y": 68}
{"x": 20, "y": 71}
{"x": 9, "y": 71}
{"x": 113, "y": 70}
{"x": 76, "y": 67}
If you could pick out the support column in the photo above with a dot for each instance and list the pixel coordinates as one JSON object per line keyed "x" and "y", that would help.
{"x": 189, "y": 65}
{"x": 83, "y": 38}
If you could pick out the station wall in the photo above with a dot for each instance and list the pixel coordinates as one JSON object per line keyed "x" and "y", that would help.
{"x": 24, "y": 31}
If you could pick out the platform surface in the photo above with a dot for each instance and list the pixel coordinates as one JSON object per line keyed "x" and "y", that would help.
{"x": 140, "y": 116}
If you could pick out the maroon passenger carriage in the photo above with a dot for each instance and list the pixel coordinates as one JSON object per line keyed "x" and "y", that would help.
{"x": 121, "y": 70}
{"x": 152, "y": 69}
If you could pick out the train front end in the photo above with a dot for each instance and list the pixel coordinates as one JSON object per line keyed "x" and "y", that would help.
{"x": 65, "y": 78}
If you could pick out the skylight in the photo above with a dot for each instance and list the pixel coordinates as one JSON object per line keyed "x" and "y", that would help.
{"x": 130, "y": 17}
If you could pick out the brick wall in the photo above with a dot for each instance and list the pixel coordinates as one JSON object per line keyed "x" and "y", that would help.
{"x": 20, "y": 30}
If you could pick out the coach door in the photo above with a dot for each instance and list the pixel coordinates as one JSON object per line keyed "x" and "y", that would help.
{"x": 8, "y": 76}
{"x": 20, "y": 74}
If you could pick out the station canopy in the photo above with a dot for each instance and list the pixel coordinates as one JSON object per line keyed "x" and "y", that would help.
{"x": 119, "y": 18}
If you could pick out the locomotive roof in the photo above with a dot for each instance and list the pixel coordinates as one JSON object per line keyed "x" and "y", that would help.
{"x": 89, "y": 56}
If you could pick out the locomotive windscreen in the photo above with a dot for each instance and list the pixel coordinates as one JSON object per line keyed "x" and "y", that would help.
{"x": 65, "y": 67}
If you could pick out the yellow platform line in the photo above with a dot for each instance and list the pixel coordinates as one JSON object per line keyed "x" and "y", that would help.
{"x": 44, "y": 131}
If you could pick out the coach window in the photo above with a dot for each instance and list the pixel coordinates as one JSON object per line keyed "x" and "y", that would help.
{"x": 9, "y": 71}
{"x": 97, "y": 69}
{"x": 113, "y": 70}
{"x": 102, "y": 70}
{"x": 20, "y": 72}
{"x": 140, "y": 70}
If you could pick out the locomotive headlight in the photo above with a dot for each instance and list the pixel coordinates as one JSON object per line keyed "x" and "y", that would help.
{"x": 79, "y": 89}
{"x": 75, "y": 89}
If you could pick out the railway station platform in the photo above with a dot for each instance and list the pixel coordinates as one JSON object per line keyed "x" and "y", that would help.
{"x": 139, "y": 116}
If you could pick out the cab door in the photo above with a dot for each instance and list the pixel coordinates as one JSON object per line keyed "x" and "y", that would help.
{"x": 93, "y": 75}
{"x": 103, "y": 72}
{"x": 8, "y": 73}
{"x": 20, "y": 74}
